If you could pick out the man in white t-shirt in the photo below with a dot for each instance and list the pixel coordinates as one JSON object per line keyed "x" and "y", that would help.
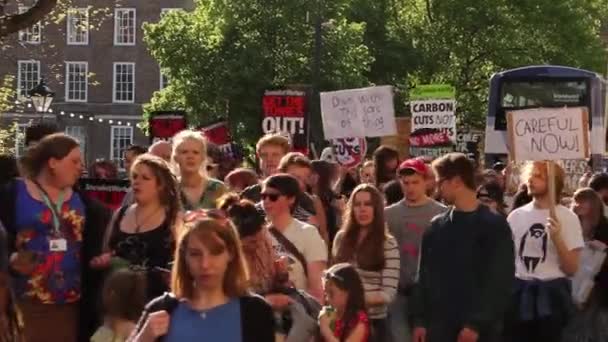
{"x": 300, "y": 242}
{"x": 547, "y": 253}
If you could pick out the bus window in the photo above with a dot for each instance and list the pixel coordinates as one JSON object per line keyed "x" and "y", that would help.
{"x": 519, "y": 94}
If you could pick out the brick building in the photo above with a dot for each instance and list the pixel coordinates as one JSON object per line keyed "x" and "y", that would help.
{"x": 96, "y": 62}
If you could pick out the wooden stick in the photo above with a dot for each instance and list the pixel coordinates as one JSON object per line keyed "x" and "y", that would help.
{"x": 551, "y": 185}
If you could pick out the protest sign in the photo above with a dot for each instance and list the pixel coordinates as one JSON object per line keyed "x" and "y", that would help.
{"x": 548, "y": 134}
{"x": 165, "y": 124}
{"x": 219, "y": 134}
{"x": 109, "y": 192}
{"x": 435, "y": 114}
{"x": 364, "y": 112}
{"x": 286, "y": 112}
{"x": 433, "y": 111}
{"x": 349, "y": 152}
{"x": 467, "y": 142}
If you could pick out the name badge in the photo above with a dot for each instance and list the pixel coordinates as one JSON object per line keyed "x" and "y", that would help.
{"x": 58, "y": 245}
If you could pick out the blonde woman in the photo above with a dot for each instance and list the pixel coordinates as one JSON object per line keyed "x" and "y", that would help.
{"x": 198, "y": 191}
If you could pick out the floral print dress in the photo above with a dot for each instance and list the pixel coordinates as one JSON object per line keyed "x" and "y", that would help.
{"x": 56, "y": 278}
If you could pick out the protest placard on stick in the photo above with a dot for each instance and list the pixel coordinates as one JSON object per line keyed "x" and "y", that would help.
{"x": 548, "y": 134}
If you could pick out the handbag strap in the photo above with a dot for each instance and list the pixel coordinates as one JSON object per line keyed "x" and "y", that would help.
{"x": 290, "y": 247}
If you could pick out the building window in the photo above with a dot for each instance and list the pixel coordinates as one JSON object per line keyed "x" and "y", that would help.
{"x": 78, "y": 133}
{"x": 164, "y": 80}
{"x": 32, "y": 34}
{"x": 124, "y": 82}
{"x": 76, "y": 76}
{"x": 78, "y": 26}
{"x": 124, "y": 26}
{"x": 20, "y": 139}
{"x": 121, "y": 138}
{"x": 28, "y": 75}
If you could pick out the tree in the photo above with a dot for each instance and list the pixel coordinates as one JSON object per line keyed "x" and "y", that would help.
{"x": 463, "y": 42}
{"x": 223, "y": 55}
{"x": 11, "y": 23}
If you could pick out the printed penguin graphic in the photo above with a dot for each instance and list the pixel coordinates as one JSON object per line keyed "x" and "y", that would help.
{"x": 533, "y": 247}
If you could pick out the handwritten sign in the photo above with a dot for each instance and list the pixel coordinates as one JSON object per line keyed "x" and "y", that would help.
{"x": 349, "y": 152}
{"x": 365, "y": 112}
{"x": 548, "y": 133}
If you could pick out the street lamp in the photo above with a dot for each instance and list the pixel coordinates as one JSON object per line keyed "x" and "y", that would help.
{"x": 42, "y": 97}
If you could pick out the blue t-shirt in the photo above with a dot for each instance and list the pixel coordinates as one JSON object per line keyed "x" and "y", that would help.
{"x": 222, "y": 323}
{"x": 56, "y": 276}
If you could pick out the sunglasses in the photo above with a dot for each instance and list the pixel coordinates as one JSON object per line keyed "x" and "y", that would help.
{"x": 271, "y": 197}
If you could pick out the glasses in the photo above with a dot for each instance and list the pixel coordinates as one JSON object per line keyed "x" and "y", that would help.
{"x": 271, "y": 197}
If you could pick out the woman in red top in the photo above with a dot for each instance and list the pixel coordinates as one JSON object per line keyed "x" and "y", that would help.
{"x": 346, "y": 319}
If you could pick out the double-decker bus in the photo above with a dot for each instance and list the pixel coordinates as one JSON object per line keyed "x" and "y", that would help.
{"x": 544, "y": 86}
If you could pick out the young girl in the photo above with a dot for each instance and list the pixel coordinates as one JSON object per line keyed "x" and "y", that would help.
{"x": 123, "y": 301}
{"x": 346, "y": 319}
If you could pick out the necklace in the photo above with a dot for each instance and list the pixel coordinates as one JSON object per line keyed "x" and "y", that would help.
{"x": 139, "y": 224}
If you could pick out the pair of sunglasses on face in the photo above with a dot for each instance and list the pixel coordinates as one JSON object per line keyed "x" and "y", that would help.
{"x": 273, "y": 197}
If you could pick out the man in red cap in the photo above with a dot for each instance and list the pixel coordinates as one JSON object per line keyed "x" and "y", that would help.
{"x": 407, "y": 220}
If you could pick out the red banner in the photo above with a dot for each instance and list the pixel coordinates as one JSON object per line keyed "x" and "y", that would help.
{"x": 109, "y": 192}
{"x": 164, "y": 125}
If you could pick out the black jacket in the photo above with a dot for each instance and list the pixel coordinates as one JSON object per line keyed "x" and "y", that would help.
{"x": 257, "y": 320}
{"x": 97, "y": 218}
{"x": 466, "y": 276}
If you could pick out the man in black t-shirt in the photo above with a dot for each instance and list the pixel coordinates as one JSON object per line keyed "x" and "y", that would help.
{"x": 467, "y": 266}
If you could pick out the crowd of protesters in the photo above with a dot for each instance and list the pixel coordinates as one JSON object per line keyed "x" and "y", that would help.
{"x": 296, "y": 249}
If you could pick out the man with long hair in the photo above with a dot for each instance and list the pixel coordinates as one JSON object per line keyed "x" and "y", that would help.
{"x": 466, "y": 267}
{"x": 548, "y": 245}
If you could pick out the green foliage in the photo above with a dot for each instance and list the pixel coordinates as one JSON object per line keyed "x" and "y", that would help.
{"x": 223, "y": 55}
{"x": 7, "y": 135}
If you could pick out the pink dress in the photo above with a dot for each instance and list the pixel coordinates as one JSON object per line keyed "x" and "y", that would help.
{"x": 361, "y": 318}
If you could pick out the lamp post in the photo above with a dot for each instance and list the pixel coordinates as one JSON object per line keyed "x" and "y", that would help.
{"x": 42, "y": 98}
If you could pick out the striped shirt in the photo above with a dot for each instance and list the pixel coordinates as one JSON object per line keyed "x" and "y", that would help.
{"x": 383, "y": 282}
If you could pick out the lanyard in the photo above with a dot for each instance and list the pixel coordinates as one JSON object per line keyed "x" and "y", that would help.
{"x": 55, "y": 209}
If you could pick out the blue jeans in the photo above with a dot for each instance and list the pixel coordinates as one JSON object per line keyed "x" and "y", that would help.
{"x": 398, "y": 319}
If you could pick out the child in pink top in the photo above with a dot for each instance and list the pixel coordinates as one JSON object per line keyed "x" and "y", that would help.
{"x": 346, "y": 318}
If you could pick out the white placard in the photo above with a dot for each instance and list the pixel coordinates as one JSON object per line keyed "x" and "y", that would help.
{"x": 364, "y": 112}
{"x": 548, "y": 134}
{"x": 438, "y": 114}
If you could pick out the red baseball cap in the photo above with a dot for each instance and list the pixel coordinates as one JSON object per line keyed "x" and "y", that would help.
{"x": 415, "y": 164}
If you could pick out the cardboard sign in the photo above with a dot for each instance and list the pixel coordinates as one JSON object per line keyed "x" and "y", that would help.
{"x": 467, "y": 142}
{"x": 349, "y": 152}
{"x": 109, "y": 192}
{"x": 286, "y": 112}
{"x": 164, "y": 125}
{"x": 364, "y": 112}
{"x": 548, "y": 134}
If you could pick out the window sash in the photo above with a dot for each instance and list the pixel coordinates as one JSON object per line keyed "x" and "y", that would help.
{"x": 28, "y": 76}
{"x": 76, "y": 81}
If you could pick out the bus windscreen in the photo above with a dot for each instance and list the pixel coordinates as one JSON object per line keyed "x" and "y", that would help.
{"x": 519, "y": 94}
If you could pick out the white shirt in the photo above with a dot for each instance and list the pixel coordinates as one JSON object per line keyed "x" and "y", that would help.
{"x": 308, "y": 241}
{"x": 536, "y": 257}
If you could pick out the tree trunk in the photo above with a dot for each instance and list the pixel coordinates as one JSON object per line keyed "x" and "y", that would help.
{"x": 13, "y": 23}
